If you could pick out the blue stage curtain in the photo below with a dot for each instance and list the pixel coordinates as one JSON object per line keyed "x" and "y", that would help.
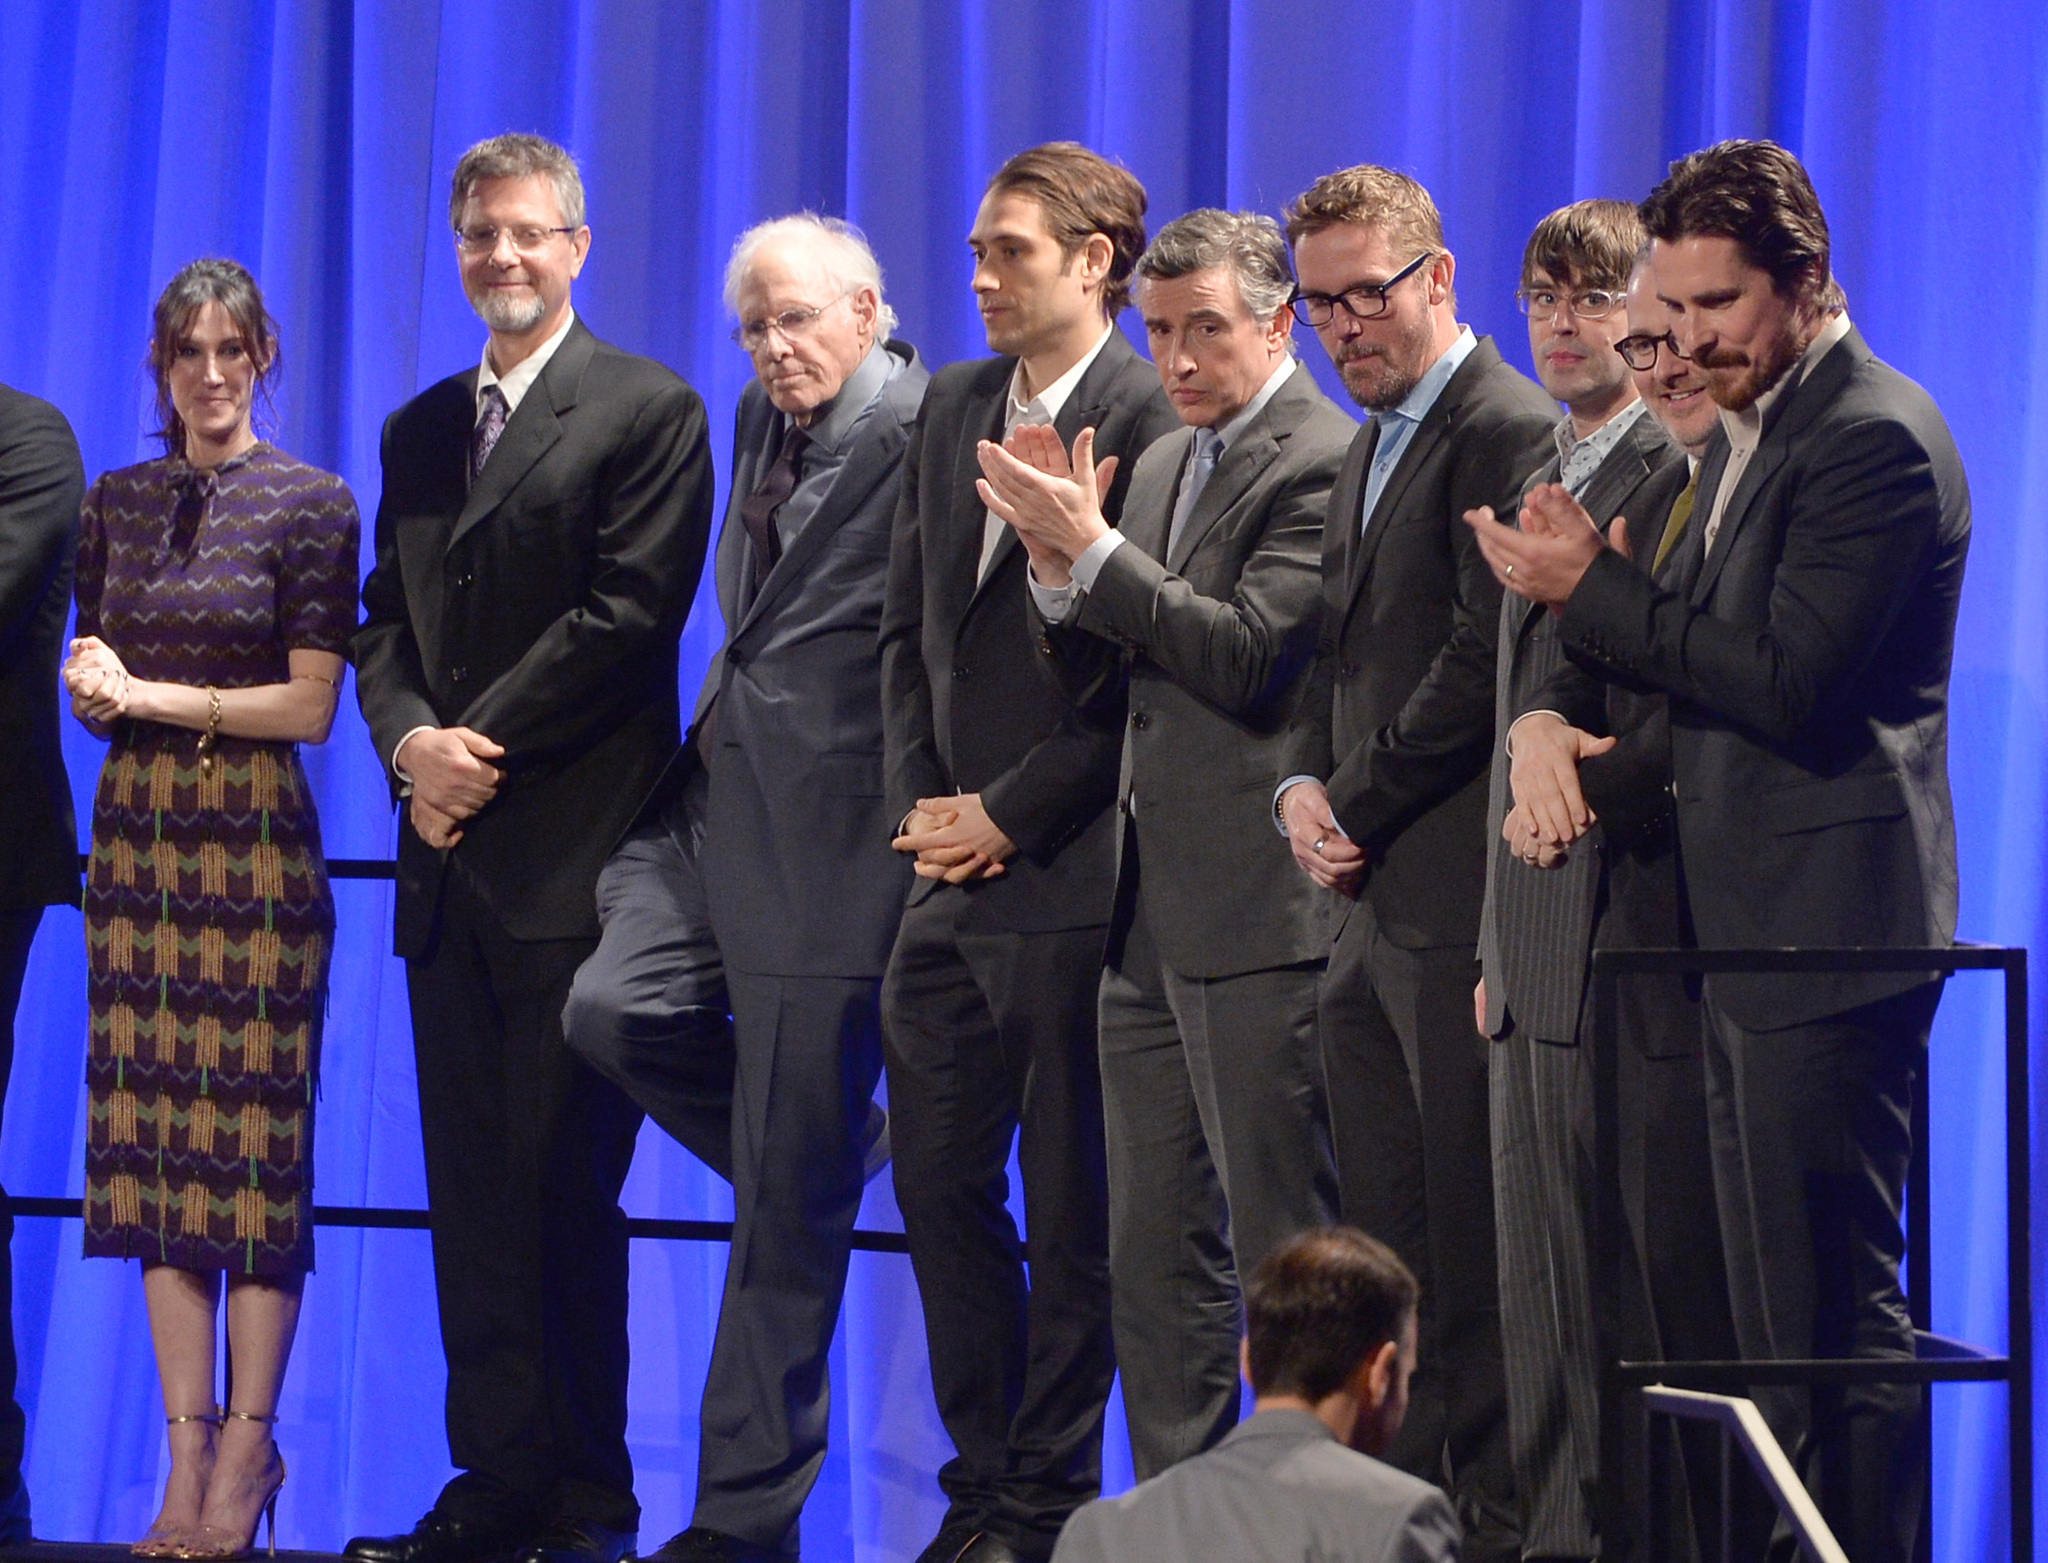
{"x": 313, "y": 141}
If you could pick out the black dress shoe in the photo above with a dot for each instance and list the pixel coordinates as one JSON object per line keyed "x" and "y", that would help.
{"x": 440, "y": 1538}
{"x": 702, "y": 1544}
{"x": 950, "y": 1542}
{"x": 577, "y": 1541}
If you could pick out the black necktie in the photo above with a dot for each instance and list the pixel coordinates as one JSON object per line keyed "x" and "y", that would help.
{"x": 757, "y": 510}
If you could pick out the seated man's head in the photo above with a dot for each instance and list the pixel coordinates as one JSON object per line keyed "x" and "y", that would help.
{"x": 1330, "y": 1329}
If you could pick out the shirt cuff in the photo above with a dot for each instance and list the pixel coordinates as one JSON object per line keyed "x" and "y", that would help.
{"x": 1094, "y": 556}
{"x": 1508, "y": 743}
{"x": 404, "y": 777}
{"x": 1280, "y": 793}
{"x": 1054, "y": 603}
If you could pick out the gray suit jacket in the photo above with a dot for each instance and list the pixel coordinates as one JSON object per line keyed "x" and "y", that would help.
{"x": 796, "y": 860}
{"x": 1214, "y": 643}
{"x": 1537, "y": 924}
{"x": 1279, "y": 1489}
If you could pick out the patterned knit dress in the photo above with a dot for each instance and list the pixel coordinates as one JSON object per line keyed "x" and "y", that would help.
{"x": 208, "y": 918}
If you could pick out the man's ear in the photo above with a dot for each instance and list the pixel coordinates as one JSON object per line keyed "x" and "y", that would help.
{"x": 1374, "y": 1379}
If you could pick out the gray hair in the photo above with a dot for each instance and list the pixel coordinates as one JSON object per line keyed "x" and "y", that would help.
{"x": 1246, "y": 244}
{"x": 517, "y": 156}
{"x": 839, "y": 246}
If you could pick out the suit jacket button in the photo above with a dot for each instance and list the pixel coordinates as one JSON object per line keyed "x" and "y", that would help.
{"x": 1348, "y": 670}
{"x": 1045, "y": 644}
{"x": 960, "y": 670}
{"x": 1140, "y": 720}
{"x": 734, "y": 657}
{"x": 465, "y": 580}
{"x": 457, "y": 673}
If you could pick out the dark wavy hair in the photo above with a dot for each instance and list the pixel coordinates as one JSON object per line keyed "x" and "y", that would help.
{"x": 1759, "y": 195}
{"x": 210, "y": 280}
{"x": 1318, "y": 1306}
{"x": 1081, "y": 193}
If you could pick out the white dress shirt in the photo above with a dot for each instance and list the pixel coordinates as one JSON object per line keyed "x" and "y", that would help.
{"x": 1045, "y": 407}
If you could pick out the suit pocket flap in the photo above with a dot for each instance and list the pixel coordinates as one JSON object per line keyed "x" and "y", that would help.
{"x": 1818, "y": 804}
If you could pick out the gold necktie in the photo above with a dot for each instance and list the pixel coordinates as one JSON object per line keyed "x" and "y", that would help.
{"x": 1674, "y": 526}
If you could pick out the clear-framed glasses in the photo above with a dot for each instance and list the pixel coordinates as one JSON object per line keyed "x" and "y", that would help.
{"x": 791, "y": 324}
{"x": 1639, "y": 350}
{"x": 1364, "y": 301}
{"x": 528, "y": 239}
{"x": 1587, "y": 303}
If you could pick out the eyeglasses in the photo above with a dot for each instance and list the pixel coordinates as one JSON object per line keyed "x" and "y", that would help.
{"x": 1365, "y": 301}
{"x": 1544, "y": 303}
{"x": 1639, "y": 351}
{"x": 526, "y": 240}
{"x": 791, "y": 323}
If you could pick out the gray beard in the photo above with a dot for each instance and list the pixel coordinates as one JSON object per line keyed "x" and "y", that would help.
{"x": 503, "y": 314}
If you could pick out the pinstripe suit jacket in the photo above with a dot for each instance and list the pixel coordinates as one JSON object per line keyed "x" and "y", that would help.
{"x": 1536, "y": 926}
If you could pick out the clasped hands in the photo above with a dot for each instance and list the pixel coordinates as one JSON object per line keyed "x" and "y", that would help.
{"x": 452, "y": 778}
{"x": 1030, "y": 482}
{"x": 97, "y": 681}
{"x": 955, "y": 840}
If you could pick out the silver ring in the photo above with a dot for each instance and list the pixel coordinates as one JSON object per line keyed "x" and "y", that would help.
{"x": 1511, "y": 572}
{"x": 1317, "y": 849}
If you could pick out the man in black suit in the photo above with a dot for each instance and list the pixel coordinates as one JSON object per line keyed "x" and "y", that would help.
{"x": 748, "y": 916}
{"x": 41, "y": 486}
{"x": 1003, "y": 789}
{"x": 1805, "y": 641}
{"x": 543, "y": 524}
{"x": 1203, "y": 609}
{"x": 1383, "y": 788}
{"x": 1535, "y": 930}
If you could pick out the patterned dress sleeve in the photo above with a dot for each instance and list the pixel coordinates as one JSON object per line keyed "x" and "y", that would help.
{"x": 316, "y": 584}
{"x": 90, "y": 577}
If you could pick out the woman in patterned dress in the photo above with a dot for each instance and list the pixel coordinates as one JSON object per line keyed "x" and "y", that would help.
{"x": 216, "y": 598}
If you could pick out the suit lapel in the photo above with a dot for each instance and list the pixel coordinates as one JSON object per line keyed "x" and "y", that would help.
{"x": 874, "y": 453}
{"x": 1435, "y": 429}
{"x": 970, "y": 515}
{"x": 1250, "y": 454}
{"x": 530, "y": 432}
{"x": 1788, "y": 419}
{"x": 1148, "y": 503}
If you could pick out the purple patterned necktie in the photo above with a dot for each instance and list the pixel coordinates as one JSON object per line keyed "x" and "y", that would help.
{"x": 488, "y": 427}
{"x": 757, "y": 510}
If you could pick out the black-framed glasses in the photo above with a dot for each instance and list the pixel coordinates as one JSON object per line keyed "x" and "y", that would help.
{"x": 1639, "y": 349}
{"x": 1586, "y": 304}
{"x": 1364, "y": 301}
{"x": 791, "y": 323}
{"x": 527, "y": 239}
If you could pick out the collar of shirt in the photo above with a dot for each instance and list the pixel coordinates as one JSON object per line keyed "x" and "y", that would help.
{"x": 1578, "y": 460}
{"x": 1746, "y": 428}
{"x": 1045, "y": 406}
{"x": 1227, "y": 435}
{"x": 1415, "y": 406}
{"x": 515, "y": 382}
{"x": 836, "y": 420}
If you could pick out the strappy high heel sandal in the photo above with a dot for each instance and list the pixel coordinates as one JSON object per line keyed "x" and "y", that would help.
{"x": 170, "y": 1541}
{"x": 211, "y": 1542}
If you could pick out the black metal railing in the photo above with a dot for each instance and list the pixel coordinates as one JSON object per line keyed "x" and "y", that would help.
{"x": 1938, "y": 1360}
{"x": 399, "y": 1219}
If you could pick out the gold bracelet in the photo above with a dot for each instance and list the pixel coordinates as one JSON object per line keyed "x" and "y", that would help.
{"x": 206, "y": 739}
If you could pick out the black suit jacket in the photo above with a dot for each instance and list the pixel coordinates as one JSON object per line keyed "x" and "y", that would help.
{"x": 42, "y": 484}
{"x": 1807, "y": 658}
{"x": 1538, "y": 922}
{"x": 966, "y": 707}
{"x": 1213, "y": 645}
{"x": 1398, "y": 715}
{"x": 796, "y": 860}
{"x": 541, "y": 608}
